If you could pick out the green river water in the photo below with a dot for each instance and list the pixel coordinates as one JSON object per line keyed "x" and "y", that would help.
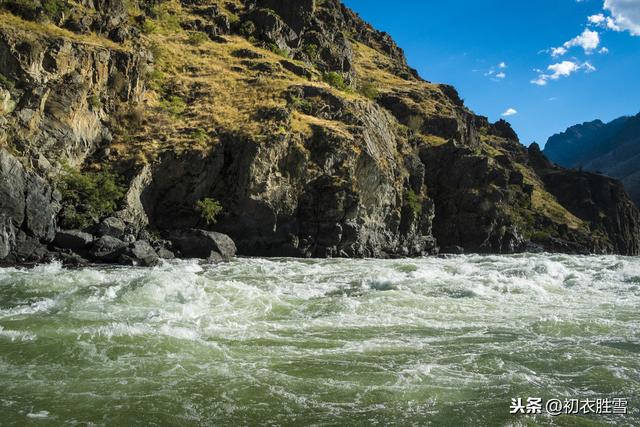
{"x": 435, "y": 341}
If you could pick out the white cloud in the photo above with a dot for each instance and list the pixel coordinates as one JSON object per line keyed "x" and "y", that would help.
{"x": 597, "y": 19}
{"x": 540, "y": 81}
{"x": 510, "y": 112}
{"x": 625, "y": 15}
{"x": 602, "y": 21}
{"x": 558, "y": 51}
{"x": 588, "y": 40}
{"x": 496, "y": 72}
{"x": 561, "y": 69}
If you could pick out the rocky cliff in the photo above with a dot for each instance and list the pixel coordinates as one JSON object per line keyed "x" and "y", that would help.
{"x": 611, "y": 148}
{"x": 129, "y": 128}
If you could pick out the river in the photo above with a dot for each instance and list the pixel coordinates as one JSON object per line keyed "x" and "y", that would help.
{"x": 434, "y": 341}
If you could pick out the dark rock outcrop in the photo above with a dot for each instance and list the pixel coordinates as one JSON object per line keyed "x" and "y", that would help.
{"x": 142, "y": 253}
{"x": 107, "y": 249}
{"x": 113, "y": 227}
{"x": 203, "y": 244}
{"x": 602, "y": 202}
{"x": 74, "y": 240}
{"x": 28, "y": 210}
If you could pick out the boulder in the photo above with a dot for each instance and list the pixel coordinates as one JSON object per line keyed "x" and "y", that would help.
{"x": 142, "y": 252}
{"x": 107, "y": 249}
{"x": 74, "y": 240}
{"x": 165, "y": 253}
{"x": 202, "y": 244}
{"x": 453, "y": 250}
{"x": 113, "y": 227}
{"x": 71, "y": 259}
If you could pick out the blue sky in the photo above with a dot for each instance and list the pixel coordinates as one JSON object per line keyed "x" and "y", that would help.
{"x": 498, "y": 54}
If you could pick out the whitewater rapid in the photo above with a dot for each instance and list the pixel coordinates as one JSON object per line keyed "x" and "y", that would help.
{"x": 434, "y": 341}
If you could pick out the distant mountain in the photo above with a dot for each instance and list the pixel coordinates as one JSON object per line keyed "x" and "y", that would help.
{"x": 612, "y": 149}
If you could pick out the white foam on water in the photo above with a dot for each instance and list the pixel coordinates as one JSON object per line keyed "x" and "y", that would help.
{"x": 16, "y": 335}
{"x": 331, "y": 335}
{"x": 38, "y": 415}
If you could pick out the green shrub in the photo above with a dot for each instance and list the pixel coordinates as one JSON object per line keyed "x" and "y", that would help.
{"x": 278, "y": 50}
{"x": 414, "y": 201}
{"x": 7, "y": 83}
{"x": 157, "y": 51}
{"x": 174, "y": 105}
{"x": 247, "y": 28}
{"x": 415, "y": 123}
{"x": 311, "y": 50}
{"x": 197, "y": 38}
{"x": 94, "y": 102}
{"x": 334, "y": 79}
{"x": 149, "y": 26}
{"x": 167, "y": 18}
{"x": 27, "y": 9}
{"x": 300, "y": 104}
{"x": 368, "y": 90}
{"x": 209, "y": 210}
{"x": 88, "y": 197}
{"x": 55, "y": 9}
{"x": 155, "y": 80}
{"x": 200, "y": 135}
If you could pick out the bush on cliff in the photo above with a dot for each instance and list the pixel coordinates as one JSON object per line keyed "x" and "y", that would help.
{"x": 335, "y": 79}
{"x": 209, "y": 210}
{"x": 88, "y": 196}
{"x": 53, "y": 10}
{"x": 414, "y": 201}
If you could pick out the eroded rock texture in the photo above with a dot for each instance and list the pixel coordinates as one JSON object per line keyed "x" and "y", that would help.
{"x": 301, "y": 120}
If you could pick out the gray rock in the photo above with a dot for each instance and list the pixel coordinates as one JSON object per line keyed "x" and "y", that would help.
{"x": 27, "y": 203}
{"x": 107, "y": 249}
{"x": 164, "y": 253}
{"x": 71, "y": 259}
{"x": 74, "y": 240}
{"x": 453, "y": 250}
{"x": 142, "y": 252}
{"x": 41, "y": 210}
{"x": 29, "y": 249}
{"x": 201, "y": 244}
{"x": 113, "y": 227}
{"x": 7, "y": 236}
{"x": 12, "y": 187}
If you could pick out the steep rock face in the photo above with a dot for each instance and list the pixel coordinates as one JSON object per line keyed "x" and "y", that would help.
{"x": 318, "y": 195}
{"x": 612, "y": 149}
{"x": 339, "y": 149}
{"x": 64, "y": 93}
{"x": 28, "y": 209}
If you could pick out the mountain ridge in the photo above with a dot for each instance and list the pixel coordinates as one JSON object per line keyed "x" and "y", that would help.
{"x": 610, "y": 148}
{"x": 301, "y": 128}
